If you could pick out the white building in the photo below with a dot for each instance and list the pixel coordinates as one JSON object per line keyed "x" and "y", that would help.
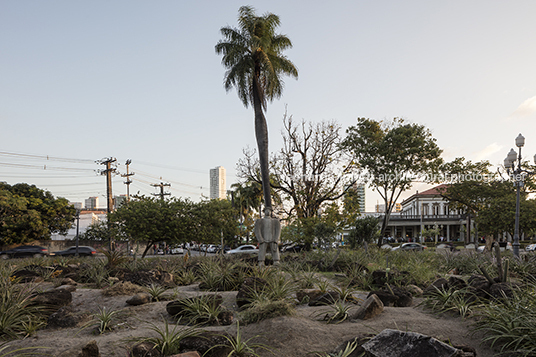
{"x": 217, "y": 183}
{"x": 91, "y": 203}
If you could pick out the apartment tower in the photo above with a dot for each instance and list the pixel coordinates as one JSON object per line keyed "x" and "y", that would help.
{"x": 217, "y": 183}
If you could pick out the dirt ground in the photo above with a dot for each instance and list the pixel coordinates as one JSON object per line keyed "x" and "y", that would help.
{"x": 301, "y": 335}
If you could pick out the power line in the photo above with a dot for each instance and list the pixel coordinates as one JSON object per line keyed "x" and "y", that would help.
{"x": 44, "y": 167}
{"x": 46, "y": 157}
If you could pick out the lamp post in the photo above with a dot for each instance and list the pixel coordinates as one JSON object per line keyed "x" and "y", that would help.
{"x": 77, "y": 229}
{"x": 518, "y": 175}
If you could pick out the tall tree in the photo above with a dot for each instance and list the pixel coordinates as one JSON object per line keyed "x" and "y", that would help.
{"x": 310, "y": 171}
{"x": 255, "y": 64}
{"x": 393, "y": 155}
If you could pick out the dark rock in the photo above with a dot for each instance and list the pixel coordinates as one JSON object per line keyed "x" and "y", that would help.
{"x": 327, "y": 298}
{"x": 144, "y": 349}
{"x": 63, "y": 318}
{"x": 249, "y": 287}
{"x": 405, "y": 298}
{"x": 381, "y": 277}
{"x": 501, "y": 290}
{"x": 386, "y": 297}
{"x": 139, "y": 299}
{"x": 307, "y": 295}
{"x": 394, "y": 343}
{"x": 187, "y": 354}
{"x": 226, "y": 317}
{"x": 480, "y": 284}
{"x": 205, "y": 341}
{"x": 26, "y": 276}
{"x": 371, "y": 307}
{"x": 441, "y": 284}
{"x": 52, "y": 300}
{"x": 456, "y": 283}
{"x": 148, "y": 277}
{"x": 90, "y": 350}
{"x": 69, "y": 288}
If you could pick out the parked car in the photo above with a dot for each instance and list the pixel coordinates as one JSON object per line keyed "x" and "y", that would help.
{"x": 447, "y": 246}
{"x": 25, "y": 251}
{"x": 177, "y": 250}
{"x": 248, "y": 248}
{"x": 213, "y": 248}
{"x": 295, "y": 247}
{"x": 83, "y": 251}
{"x": 410, "y": 246}
{"x": 530, "y": 247}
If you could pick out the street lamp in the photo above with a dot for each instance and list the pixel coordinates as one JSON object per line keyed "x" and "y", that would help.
{"x": 518, "y": 174}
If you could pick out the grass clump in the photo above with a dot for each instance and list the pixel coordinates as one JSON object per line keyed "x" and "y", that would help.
{"x": 510, "y": 323}
{"x": 168, "y": 340}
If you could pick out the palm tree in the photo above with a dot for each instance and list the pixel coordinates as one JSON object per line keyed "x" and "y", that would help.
{"x": 253, "y": 57}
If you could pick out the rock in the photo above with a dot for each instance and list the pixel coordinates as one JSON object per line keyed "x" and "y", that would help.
{"x": 304, "y": 296}
{"x": 148, "y": 277}
{"x": 53, "y": 299}
{"x": 394, "y": 343}
{"x": 456, "y": 283}
{"x": 63, "y": 318}
{"x": 381, "y": 277}
{"x": 386, "y": 297}
{"x": 139, "y": 299}
{"x": 327, "y": 298}
{"x": 249, "y": 287}
{"x": 68, "y": 281}
{"x": 205, "y": 341}
{"x": 480, "y": 284}
{"x": 144, "y": 349}
{"x": 405, "y": 299}
{"x": 187, "y": 354}
{"x": 69, "y": 288}
{"x": 90, "y": 350}
{"x": 27, "y": 276}
{"x": 226, "y": 317}
{"x": 371, "y": 307}
{"x": 501, "y": 290}
{"x": 440, "y": 284}
{"x": 414, "y": 290}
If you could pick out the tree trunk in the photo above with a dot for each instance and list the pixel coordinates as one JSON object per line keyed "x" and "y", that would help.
{"x": 261, "y": 133}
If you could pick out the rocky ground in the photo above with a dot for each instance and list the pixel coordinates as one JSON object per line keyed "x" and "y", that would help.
{"x": 304, "y": 334}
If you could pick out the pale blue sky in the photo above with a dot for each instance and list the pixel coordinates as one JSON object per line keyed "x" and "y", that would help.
{"x": 140, "y": 80}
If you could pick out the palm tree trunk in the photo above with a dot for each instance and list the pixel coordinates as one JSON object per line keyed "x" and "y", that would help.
{"x": 261, "y": 133}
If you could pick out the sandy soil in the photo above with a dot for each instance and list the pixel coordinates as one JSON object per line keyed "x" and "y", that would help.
{"x": 300, "y": 335}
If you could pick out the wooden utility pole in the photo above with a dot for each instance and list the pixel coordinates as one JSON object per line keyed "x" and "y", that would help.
{"x": 109, "y": 198}
{"x": 128, "y": 181}
{"x": 162, "y": 193}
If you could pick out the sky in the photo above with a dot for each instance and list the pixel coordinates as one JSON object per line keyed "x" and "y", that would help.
{"x": 83, "y": 81}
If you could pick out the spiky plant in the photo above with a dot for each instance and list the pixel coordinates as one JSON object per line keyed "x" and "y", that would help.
{"x": 240, "y": 347}
{"x": 168, "y": 340}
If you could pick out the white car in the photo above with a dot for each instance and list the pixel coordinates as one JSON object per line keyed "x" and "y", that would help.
{"x": 248, "y": 248}
{"x": 177, "y": 250}
{"x": 530, "y": 247}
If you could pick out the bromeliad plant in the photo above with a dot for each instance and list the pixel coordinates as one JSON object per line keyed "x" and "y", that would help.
{"x": 168, "y": 340}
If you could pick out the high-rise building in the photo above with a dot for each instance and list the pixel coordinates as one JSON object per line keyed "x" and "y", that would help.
{"x": 360, "y": 190}
{"x": 217, "y": 183}
{"x": 91, "y": 203}
{"x": 119, "y": 200}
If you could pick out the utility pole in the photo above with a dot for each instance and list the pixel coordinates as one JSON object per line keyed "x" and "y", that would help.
{"x": 162, "y": 193}
{"x": 128, "y": 181}
{"x": 109, "y": 198}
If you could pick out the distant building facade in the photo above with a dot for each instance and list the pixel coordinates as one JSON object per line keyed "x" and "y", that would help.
{"x": 91, "y": 203}
{"x": 217, "y": 183}
{"x": 119, "y": 200}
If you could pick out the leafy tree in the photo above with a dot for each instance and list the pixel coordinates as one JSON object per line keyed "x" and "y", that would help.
{"x": 213, "y": 218}
{"x": 153, "y": 220}
{"x": 253, "y": 57}
{"x": 366, "y": 230}
{"x": 28, "y": 213}
{"x": 393, "y": 155}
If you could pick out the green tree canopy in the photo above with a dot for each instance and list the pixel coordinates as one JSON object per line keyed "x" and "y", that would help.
{"x": 366, "y": 230}
{"x": 28, "y": 213}
{"x": 393, "y": 155}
